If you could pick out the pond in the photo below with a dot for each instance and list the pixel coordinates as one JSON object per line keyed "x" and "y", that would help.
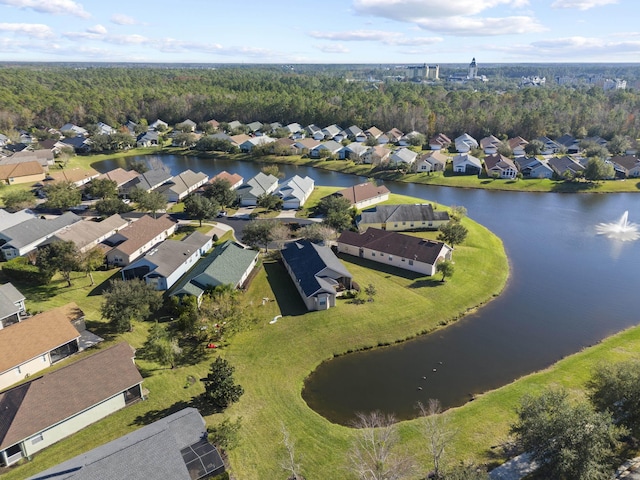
{"x": 569, "y": 288}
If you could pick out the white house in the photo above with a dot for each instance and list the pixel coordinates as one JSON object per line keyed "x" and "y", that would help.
{"x": 12, "y": 306}
{"x": 466, "y": 164}
{"x": 403, "y": 156}
{"x": 434, "y": 161}
{"x": 295, "y": 191}
{"x": 182, "y": 185}
{"x": 252, "y": 142}
{"x": 331, "y": 147}
{"x": 465, "y": 143}
{"x": 354, "y": 151}
{"x": 261, "y": 184}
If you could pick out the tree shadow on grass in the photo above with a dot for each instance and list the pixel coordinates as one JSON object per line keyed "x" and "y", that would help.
{"x": 101, "y": 287}
{"x": 155, "y": 415}
{"x": 381, "y": 267}
{"x": 287, "y": 296}
{"x": 426, "y": 282}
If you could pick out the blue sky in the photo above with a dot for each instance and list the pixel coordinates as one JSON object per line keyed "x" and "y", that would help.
{"x": 326, "y": 31}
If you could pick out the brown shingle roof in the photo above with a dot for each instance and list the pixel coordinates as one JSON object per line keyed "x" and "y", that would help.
{"x": 23, "y": 169}
{"x": 362, "y": 192}
{"x": 39, "y": 334}
{"x": 232, "y": 178}
{"x": 143, "y": 231}
{"x": 52, "y": 398}
{"x": 119, "y": 175}
{"x": 74, "y": 175}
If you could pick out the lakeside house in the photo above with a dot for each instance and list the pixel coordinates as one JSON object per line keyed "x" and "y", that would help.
{"x": 499, "y": 166}
{"x": 43, "y": 411}
{"x": 261, "y": 184}
{"x": 234, "y": 179}
{"x": 434, "y": 161}
{"x": 364, "y": 194}
{"x": 466, "y": 164}
{"x": 295, "y": 191}
{"x": 403, "y": 217}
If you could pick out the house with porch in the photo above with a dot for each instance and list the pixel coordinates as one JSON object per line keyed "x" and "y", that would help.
{"x": 434, "y": 161}
{"x": 163, "y": 266}
{"x": 175, "y": 447}
{"x": 403, "y": 156}
{"x": 354, "y": 151}
{"x": 439, "y": 142}
{"x": 23, "y": 172}
{"x": 626, "y": 165}
{"x": 181, "y": 185}
{"x": 295, "y": 191}
{"x": 517, "y": 146}
{"x": 316, "y": 272}
{"x": 150, "y": 138}
{"x": 119, "y": 175}
{"x": 466, "y": 164}
{"x": 135, "y": 240}
{"x": 47, "y": 409}
{"x": 403, "y": 217}
{"x": 330, "y": 148}
{"x": 490, "y": 144}
{"x": 228, "y": 264}
{"x": 234, "y": 179}
{"x": 248, "y": 145}
{"x": 12, "y": 306}
{"x": 261, "y": 184}
{"x": 465, "y": 143}
{"x": 396, "y": 249}
{"x": 37, "y": 342}
{"x": 377, "y": 155}
{"x": 499, "y": 166}
{"x": 566, "y": 165}
{"x": 532, "y": 167}
{"x": 365, "y": 194}
{"x": 87, "y": 234}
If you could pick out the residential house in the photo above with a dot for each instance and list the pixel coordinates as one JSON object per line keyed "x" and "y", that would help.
{"x": 8, "y": 220}
{"x": 104, "y": 129}
{"x": 354, "y": 151}
{"x": 364, "y": 194}
{"x": 71, "y": 130}
{"x": 330, "y": 148}
{"x": 396, "y": 249}
{"x": 549, "y": 147}
{"x": 78, "y": 176}
{"x": 46, "y": 158}
{"x": 37, "y": 342}
{"x": 517, "y": 146}
{"x": 393, "y": 136}
{"x": 239, "y": 139}
{"x": 49, "y": 145}
{"x": 79, "y": 144}
{"x": 234, "y": 125}
{"x": 261, "y": 184}
{"x": 294, "y": 129}
{"x": 275, "y": 125}
{"x": 316, "y": 272}
{"x": 248, "y": 145}
{"x": 295, "y": 191}
{"x": 87, "y": 234}
{"x": 174, "y": 447}
{"x": 147, "y": 181}
{"x": 43, "y": 411}
{"x": 373, "y": 132}
{"x": 566, "y": 165}
{"x": 406, "y": 139}
{"x": 133, "y": 241}
{"x": 490, "y": 144}
{"x": 377, "y": 155}
{"x": 434, "y": 161}
{"x": 355, "y": 134}
{"x": 228, "y": 264}
{"x": 305, "y": 145}
{"x": 163, "y": 266}
{"x": 131, "y": 127}
{"x": 187, "y": 125}
{"x": 531, "y": 167}
{"x": 626, "y": 165}
{"x": 25, "y": 237}
{"x": 403, "y": 156}
{"x": 150, "y": 138}
{"x": 182, "y": 185}
{"x": 254, "y": 127}
{"x": 3, "y": 140}
{"x": 467, "y": 164}
{"x": 234, "y": 179}
{"x": 159, "y": 125}
{"x": 400, "y": 218}
{"x": 12, "y": 306}
{"x": 439, "y": 142}
{"x": 119, "y": 175}
{"x": 24, "y": 172}
{"x": 499, "y": 166}
{"x": 313, "y": 131}
{"x": 214, "y": 123}
{"x": 331, "y": 131}
{"x": 569, "y": 142}
{"x": 465, "y": 143}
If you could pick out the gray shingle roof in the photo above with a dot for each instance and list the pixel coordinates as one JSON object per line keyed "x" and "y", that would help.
{"x": 30, "y": 231}
{"x": 258, "y": 185}
{"x": 402, "y": 213}
{"x": 9, "y": 296}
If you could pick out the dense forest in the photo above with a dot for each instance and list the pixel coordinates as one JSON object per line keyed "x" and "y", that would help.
{"x": 50, "y": 96}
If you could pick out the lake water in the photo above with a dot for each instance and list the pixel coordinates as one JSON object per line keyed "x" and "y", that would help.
{"x": 569, "y": 288}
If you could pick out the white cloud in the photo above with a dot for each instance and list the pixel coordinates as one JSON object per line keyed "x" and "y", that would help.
{"x": 478, "y": 26}
{"x": 581, "y": 4}
{"x": 409, "y": 10}
{"x": 388, "y": 38}
{"x": 333, "y": 48}
{"x": 571, "y": 49}
{"x": 33, "y": 30}
{"x": 97, "y": 30}
{"x": 122, "y": 19}
{"x": 127, "y": 39}
{"x": 58, "y": 7}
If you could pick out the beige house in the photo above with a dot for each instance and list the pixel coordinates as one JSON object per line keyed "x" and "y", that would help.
{"x": 36, "y": 343}
{"x": 24, "y": 172}
{"x": 365, "y": 194}
{"x": 87, "y": 234}
{"x": 400, "y": 218}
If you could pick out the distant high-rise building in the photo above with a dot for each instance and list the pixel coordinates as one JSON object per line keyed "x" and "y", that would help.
{"x": 473, "y": 69}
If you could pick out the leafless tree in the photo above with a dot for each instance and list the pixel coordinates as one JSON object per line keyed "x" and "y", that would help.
{"x": 437, "y": 433}
{"x": 289, "y": 463}
{"x": 374, "y": 454}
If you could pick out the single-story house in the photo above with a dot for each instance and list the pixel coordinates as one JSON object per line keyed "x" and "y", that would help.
{"x": 354, "y": 151}
{"x": 295, "y": 191}
{"x": 531, "y": 167}
{"x": 293, "y": 128}
{"x": 439, "y": 142}
{"x": 228, "y": 264}
{"x": 27, "y": 236}
{"x": 11, "y": 305}
{"x": 517, "y": 146}
{"x": 373, "y": 132}
{"x": 43, "y": 411}
{"x": 163, "y": 266}
{"x": 23, "y": 172}
{"x": 261, "y": 184}
{"x": 394, "y": 135}
{"x": 565, "y": 164}
{"x": 234, "y": 179}
{"x": 317, "y": 273}
{"x": 69, "y": 129}
{"x": 37, "y": 342}
{"x": 331, "y": 147}
{"x": 434, "y": 161}
{"x": 312, "y": 130}
{"x": 626, "y": 165}
{"x": 402, "y": 217}
{"x": 87, "y": 234}
{"x": 77, "y": 176}
{"x": 490, "y": 144}
{"x": 147, "y": 139}
{"x": 403, "y": 156}
{"x": 182, "y": 185}
{"x": 138, "y": 238}
{"x": 149, "y": 180}
{"x": 365, "y": 194}
{"x": 174, "y": 447}
{"x": 355, "y": 134}
{"x": 255, "y": 126}
{"x": 465, "y": 143}
{"x": 45, "y": 157}
{"x": 377, "y": 155}
{"x": 466, "y": 164}
{"x": 239, "y": 139}
{"x": 159, "y": 125}
{"x": 79, "y": 144}
{"x": 500, "y": 166}
{"x": 104, "y": 129}
{"x": 390, "y": 248}
{"x": 331, "y": 131}
{"x": 248, "y": 144}
{"x": 549, "y": 147}
{"x": 119, "y": 175}
{"x": 234, "y": 124}
{"x": 8, "y": 219}
{"x": 187, "y": 125}
{"x": 305, "y": 145}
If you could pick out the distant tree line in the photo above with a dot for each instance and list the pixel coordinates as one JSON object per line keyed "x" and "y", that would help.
{"x": 50, "y": 96}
